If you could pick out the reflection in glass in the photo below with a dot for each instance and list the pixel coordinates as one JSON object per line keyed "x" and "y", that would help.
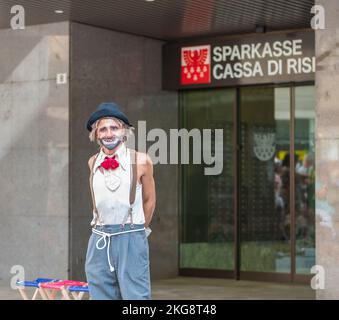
{"x": 264, "y": 180}
{"x": 207, "y": 206}
{"x": 305, "y": 179}
{"x": 264, "y": 208}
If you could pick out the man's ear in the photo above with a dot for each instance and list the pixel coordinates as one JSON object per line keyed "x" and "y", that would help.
{"x": 124, "y": 138}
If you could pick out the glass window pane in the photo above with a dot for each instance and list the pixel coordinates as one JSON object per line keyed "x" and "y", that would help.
{"x": 207, "y": 211}
{"x": 264, "y": 179}
{"x": 305, "y": 179}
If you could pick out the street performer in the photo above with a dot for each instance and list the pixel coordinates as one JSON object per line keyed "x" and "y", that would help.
{"x": 123, "y": 196}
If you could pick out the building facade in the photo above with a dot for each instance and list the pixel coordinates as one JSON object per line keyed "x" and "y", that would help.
{"x": 255, "y": 217}
{"x": 253, "y": 73}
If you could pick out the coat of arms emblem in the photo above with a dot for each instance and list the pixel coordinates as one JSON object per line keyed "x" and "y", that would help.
{"x": 264, "y": 145}
{"x": 195, "y": 65}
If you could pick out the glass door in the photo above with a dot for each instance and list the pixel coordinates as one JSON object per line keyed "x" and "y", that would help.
{"x": 304, "y": 179}
{"x": 256, "y": 218}
{"x": 264, "y": 180}
{"x": 207, "y": 217}
{"x": 276, "y": 191}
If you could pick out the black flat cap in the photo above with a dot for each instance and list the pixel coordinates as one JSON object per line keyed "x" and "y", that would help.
{"x": 104, "y": 110}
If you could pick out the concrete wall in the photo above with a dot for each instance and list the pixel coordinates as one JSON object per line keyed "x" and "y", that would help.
{"x": 34, "y": 151}
{"x": 327, "y": 142}
{"x": 113, "y": 66}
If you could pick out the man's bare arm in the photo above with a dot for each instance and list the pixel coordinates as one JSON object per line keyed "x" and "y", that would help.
{"x": 90, "y": 162}
{"x": 148, "y": 190}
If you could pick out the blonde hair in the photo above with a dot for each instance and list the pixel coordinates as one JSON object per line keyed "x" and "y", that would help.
{"x": 129, "y": 130}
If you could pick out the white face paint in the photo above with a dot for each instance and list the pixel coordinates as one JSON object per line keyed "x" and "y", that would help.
{"x": 110, "y": 133}
{"x": 110, "y": 144}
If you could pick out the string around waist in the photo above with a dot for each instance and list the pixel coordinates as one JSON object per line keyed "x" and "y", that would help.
{"x": 105, "y": 235}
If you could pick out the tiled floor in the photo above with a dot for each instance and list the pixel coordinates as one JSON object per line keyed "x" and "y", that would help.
{"x": 189, "y": 288}
{"x": 224, "y": 289}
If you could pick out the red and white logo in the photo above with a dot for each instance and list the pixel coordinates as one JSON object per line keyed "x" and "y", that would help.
{"x": 196, "y": 64}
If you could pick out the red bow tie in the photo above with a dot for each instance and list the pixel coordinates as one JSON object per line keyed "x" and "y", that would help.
{"x": 110, "y": 163}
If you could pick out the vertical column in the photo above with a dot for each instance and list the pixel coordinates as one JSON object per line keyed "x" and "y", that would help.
{"x": 34, "y": 151}
{"x": 327, "y": 149}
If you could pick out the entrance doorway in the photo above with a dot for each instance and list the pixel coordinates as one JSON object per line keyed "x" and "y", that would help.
{"x": 255, "y": 220}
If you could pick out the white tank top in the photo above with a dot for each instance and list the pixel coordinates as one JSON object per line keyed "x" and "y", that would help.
{"x": 112, "y": 202}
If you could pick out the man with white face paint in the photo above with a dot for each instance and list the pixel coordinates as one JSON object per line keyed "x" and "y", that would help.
{"x": 123, "y": 195}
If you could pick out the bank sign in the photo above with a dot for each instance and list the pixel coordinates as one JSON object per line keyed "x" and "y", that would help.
{"x": 266, "y": 58}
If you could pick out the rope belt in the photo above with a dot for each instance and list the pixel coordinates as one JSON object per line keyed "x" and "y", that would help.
{"x": 105, "y": 235}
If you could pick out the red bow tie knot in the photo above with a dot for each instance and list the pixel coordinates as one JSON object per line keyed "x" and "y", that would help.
{"x": 110, "y": 163}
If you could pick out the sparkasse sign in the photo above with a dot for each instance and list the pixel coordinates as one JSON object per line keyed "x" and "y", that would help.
{"x": 256, "y": 59}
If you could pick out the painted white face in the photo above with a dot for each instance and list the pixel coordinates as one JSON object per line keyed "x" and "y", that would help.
{"x": 110, "y": 133}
